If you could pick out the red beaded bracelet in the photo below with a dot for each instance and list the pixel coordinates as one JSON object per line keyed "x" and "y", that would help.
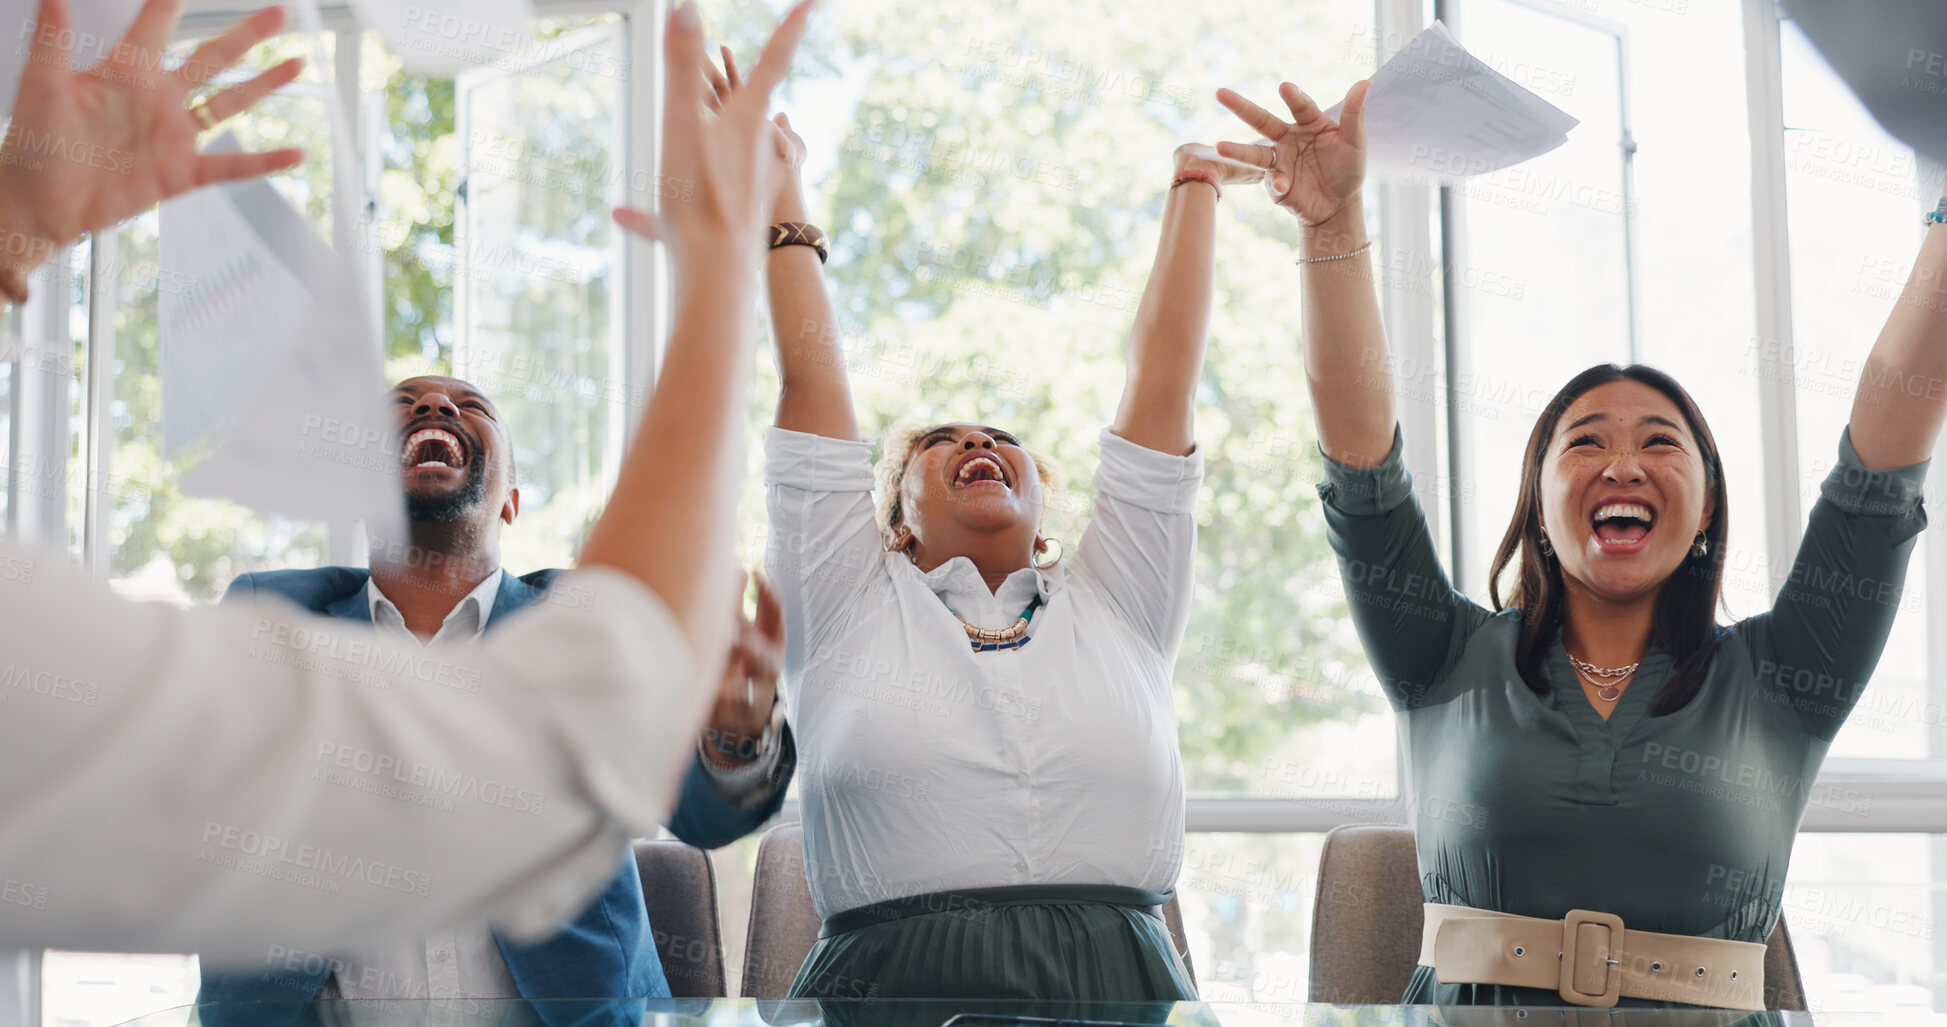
{"x": 1199, "y": 176}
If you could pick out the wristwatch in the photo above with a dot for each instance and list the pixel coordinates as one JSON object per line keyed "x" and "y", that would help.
{"x": 719, "y": 750}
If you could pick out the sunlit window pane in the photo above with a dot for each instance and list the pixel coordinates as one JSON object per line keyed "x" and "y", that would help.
{"x": 1542, "y": 290}
{"x": 1855, "y": 199}
{"x": 1864, "y": 912}
{"x": 542, "y": 151}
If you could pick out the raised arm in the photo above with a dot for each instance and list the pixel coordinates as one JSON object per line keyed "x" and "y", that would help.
{"x": 1166, "y": 344}
{"x": 672, "y": 517}
{"x": 1316, "y": 169}
{"x": 1409, "y": 617}
{"x": 815, "y": 397}
{"x": 1902, "y": 397}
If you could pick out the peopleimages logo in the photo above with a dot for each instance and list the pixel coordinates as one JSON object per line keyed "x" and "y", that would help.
{"x": 271, "y": 852}
{"x": 415, "y": 774}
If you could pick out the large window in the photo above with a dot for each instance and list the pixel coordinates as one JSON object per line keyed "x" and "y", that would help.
{"x": 535, "y": 299}
{"x": 991, "y": 178}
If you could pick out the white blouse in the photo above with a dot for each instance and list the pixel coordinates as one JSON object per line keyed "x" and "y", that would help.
{"x": 358, "y": 790}
{"x": 925, "y": 766}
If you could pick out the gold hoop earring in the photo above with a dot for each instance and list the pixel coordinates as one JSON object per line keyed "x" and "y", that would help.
{"x": 1036, "y": 558}
{"x": 1700, "y": 548}
{"x": 1547, "y": 547}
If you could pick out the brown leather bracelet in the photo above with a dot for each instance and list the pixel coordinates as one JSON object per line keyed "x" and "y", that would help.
{"x": 799, "y": 233}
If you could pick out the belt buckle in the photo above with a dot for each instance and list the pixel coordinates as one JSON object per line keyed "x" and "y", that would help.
{"x": 1571, "y": 930}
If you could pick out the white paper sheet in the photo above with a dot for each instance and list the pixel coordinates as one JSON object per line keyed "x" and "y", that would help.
{"x": 268, "y": 355}
{"x": 445, "y": 37}
{"x": 232, "y": 305}
{"x": 1436, "y": 112}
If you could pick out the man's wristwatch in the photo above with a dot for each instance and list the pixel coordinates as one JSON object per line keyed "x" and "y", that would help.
{"x": 734, "y": 754}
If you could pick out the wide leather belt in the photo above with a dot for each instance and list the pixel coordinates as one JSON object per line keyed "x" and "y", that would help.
{"x": 1590, "y": 959}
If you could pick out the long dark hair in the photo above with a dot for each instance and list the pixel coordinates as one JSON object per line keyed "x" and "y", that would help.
{"x": 1685, "y": 623}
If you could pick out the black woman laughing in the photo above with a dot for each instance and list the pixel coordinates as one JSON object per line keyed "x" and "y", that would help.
{"x": 1044, "y": 817}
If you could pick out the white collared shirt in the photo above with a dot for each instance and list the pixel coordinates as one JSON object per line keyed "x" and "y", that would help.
{"x": 451, "y": 963}
{"x": 203, "y": 747}
{"x": 463, "y": 623}
{"x": 926, "y": 766}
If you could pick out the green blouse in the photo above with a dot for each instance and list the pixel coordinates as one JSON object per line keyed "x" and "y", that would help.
{"x": 1533, "y": 804}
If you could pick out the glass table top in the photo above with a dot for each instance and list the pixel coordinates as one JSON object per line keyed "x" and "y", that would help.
{"x": 746, "y": 1012}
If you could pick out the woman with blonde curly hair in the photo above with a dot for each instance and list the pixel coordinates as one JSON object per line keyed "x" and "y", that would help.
{"x": 993, "y": 794}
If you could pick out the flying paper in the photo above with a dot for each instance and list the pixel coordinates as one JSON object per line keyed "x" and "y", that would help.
{"x": 444, "y": 37}
{"x": 267, "y": 354}
{"x": 1436, "y": 111}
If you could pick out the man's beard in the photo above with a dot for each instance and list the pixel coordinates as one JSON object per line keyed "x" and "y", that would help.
{"x": 440, "y": 509}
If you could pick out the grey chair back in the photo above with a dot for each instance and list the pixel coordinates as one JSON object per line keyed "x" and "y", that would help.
{"x": 784, "y": 926}
{"x": 1783, "y": 987}
{"x": 1366, "y": 916}
{"x": 1366, "y": 922}
{"x": 680, "y": 888}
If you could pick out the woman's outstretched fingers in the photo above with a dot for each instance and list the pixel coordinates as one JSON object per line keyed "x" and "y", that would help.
{"x": 1352, "y": 117}
{"x": 235, "y": 100}
{"x": 682, "y": 99}
{"x": 152, "y": 25}
{"x": 775, "y": 60}
{"x": 1254, "y": 154}
{"x": 1301, "y": 105}
{"x": 637, "y": 222}
{"x": 1266, "y": 124}
{"x": 213, "y": 57}
{"x": 719, "y": 88}
{"x": 212, "y": 168}
{"x": 51, "y": 39}
{"x": 730, "y": 68}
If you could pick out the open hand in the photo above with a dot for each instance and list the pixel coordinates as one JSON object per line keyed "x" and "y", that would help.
{"x": 1314, "y": 167}
{"x": 720, "y": 175}
{"x": 89, "y": 149}
{"x": 790, "y": 147}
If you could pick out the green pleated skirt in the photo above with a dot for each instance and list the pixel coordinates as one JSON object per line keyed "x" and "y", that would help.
{"x": 1057, "y": 943}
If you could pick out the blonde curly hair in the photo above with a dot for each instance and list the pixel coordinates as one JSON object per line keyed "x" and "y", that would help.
{"x": 890, "y": 475}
